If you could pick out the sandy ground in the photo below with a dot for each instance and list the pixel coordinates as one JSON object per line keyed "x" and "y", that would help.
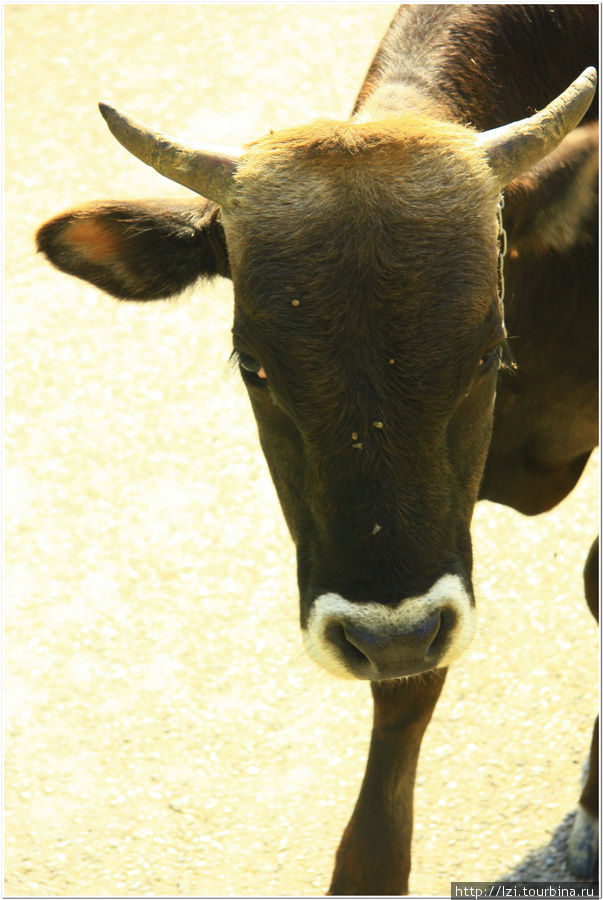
{"x": 164, "y": 732}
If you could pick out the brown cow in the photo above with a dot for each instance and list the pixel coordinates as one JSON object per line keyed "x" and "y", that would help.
{"x": 370, "y": 331}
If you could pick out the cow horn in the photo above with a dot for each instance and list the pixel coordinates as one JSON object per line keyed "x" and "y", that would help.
{"x": 204, "y": 168}
{"x": 514, "y": 148}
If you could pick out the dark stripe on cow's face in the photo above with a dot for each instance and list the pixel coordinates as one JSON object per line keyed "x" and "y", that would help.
{"x": 364, "y": 266}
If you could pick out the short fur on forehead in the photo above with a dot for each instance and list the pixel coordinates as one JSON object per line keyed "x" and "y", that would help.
{"x": 426, "y": 153}
{"x": 385, "y": 235}
{"x": 382, "y": 200}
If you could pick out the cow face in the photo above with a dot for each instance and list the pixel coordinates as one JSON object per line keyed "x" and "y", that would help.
{"x": 368, "y": 332}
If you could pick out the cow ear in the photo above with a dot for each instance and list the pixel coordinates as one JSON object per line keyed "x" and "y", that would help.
{"x": 137, "y": 250}
{"x": 554, "y": 205}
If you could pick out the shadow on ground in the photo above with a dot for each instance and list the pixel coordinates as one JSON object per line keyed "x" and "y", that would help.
{"x": 549, "y": 862}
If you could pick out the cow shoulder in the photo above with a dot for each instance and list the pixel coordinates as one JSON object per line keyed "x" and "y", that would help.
{"x": 554, "y": 205}
{"x": 138, "y": 250}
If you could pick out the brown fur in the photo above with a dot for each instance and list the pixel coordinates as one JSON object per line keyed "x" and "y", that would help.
{"x": 367, "y": 200}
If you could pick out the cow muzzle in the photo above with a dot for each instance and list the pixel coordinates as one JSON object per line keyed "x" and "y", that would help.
{"x": 374, "y": 642}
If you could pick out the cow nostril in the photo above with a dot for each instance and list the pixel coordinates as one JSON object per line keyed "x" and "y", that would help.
{"x": 425, "y": 633}
{"x": 445, "y": 627}
{"x": 338, "y": 635}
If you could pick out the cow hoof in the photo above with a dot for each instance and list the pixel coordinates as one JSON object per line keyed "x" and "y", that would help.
{"x": 583, "y": 850}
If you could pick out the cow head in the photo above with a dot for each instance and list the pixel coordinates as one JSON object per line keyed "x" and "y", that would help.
{"x": 369, "y": 333}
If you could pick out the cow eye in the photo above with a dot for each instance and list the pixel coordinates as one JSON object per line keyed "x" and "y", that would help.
{"x": 250, "y": 367}
{"x": 490, "y": 360}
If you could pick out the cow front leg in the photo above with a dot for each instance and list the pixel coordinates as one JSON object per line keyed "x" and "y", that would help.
{"x": 374, "y": 854}
{"x": 584, "y": 839}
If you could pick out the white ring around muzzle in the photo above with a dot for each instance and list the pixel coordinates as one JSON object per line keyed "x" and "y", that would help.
{"x": 448, "y": 592}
